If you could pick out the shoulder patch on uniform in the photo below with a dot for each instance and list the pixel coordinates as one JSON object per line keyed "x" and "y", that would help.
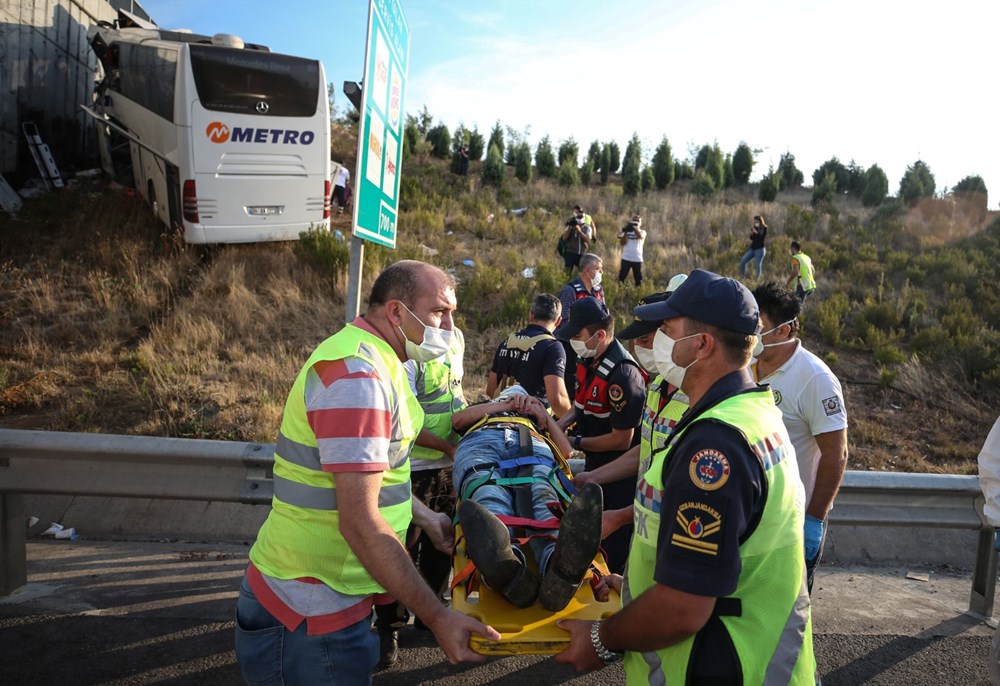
{"x": 615, "y": 392}
{"x": 697, "y": 523}
{"x": 777, "y": 396}
{"x": 832, "y": 406}
{"x": 709, "y": 469}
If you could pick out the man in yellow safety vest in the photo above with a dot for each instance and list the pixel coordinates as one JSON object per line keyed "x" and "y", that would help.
{"x": 332, "y": 545}
{"x": 715, "y": 587}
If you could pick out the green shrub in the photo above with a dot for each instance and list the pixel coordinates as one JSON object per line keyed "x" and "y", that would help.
{"x": 569, "y": 177}
{"x": 886, "y": 378}
{"x": 824, "y": 191}
{"x": 323, "y": 251}
{"x": 876, "y": 187}
{"x": 767, "y": 191}
{"x": 702, "y": 187}
{"x": 648, "y": 179}
{"x": 830, "y": 315}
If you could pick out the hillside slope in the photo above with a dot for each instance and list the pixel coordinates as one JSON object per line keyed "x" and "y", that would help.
{"x": 110, "y": 325}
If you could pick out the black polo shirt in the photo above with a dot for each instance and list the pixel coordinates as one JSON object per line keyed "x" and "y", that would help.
{"x": 530, "y": 368}
{"x": 732, "y": 507}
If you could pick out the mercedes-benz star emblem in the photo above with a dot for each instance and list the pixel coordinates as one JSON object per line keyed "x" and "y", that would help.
{"x": 263, "y": 107}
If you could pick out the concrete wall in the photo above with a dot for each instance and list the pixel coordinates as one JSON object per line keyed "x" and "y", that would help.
{"x": 47, "y": 71}
{"x": 141, "y": 519}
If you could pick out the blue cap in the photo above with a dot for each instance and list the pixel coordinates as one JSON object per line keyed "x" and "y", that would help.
{"x": 584, "y": 312}
{"x": 711, "y": 299}
{"x": 640, "y": 327}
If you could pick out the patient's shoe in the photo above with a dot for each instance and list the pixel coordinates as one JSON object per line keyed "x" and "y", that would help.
{"x": 578, "y": 544}
{"x": 487, "y": 541}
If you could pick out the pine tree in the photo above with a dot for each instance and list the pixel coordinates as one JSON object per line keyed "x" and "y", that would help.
{"x": 663, "y": 165}
{"x": 742, "y": 164}
{"x": 493, "y": 168}
{"x": 522, "y": 162}
{"x": 545, "y": 159}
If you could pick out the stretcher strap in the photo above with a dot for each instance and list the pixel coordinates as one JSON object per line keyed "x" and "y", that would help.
{"x": 529, "y": 523}
{"x": 527, "y": 461}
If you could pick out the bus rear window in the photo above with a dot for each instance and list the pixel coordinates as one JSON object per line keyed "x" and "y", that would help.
{"x": 262, "y": 83}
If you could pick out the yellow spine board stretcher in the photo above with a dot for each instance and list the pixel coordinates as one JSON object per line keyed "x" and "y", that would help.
{"x": 532, "y": 630}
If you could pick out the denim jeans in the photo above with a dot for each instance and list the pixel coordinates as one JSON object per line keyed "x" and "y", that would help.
{"x": 485, "y": 448}
{"x": 268, "y": 654}
{"x": 758, "y": 256}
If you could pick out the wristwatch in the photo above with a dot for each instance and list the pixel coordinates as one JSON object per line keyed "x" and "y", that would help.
{"x": 607, "y": 656}
{"x": 576, "y": 442}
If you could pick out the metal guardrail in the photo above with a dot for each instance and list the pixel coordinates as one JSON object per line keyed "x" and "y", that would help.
{"x": 52, "y": 463}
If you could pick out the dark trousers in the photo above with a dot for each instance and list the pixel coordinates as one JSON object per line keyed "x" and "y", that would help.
{"x": 571, "y": 260}
{"x": 339, "y": 196}
{"x": 433, "y": 487}
{"x": 569, "y": 376}
{"x": 634, "y": 267}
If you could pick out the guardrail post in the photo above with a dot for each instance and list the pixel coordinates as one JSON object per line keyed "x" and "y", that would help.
{"x": 13, "y": 544}
{"x": 984, "y": 578}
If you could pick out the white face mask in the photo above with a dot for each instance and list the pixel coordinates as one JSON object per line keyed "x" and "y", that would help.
{"x": 581, "y": 349}
{"x": 646, "y": 358}
{"x": 436, "y": 342}
{"x": 663, "y": 352}
{"x": 758, "y": 347}
{"x": 596, "y": 279}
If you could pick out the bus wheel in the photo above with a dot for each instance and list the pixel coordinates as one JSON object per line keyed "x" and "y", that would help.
{"x": 151, "y": 195}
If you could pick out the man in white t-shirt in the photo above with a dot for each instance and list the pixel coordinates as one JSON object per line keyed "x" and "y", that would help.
{"x": 341, "y": 178}
{"x": 989, "y": 481}
{"x": 812, "y": 407}
{"x": 632, "y": 237}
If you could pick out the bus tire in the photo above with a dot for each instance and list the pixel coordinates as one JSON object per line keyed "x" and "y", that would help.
{"x": 151, "y": 196}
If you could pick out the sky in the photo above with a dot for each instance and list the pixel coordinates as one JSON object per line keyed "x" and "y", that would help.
{"x": 885, "y": 82}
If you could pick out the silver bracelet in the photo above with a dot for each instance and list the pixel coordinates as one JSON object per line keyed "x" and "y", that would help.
{"x": 607, "y": 656}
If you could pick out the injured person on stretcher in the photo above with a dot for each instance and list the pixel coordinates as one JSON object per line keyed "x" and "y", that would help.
{"x": 508, "y": 473}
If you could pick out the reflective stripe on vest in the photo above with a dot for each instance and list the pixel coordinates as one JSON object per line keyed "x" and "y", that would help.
{"x": 592, "y": 387}
{"x": 317, "y": 498}
{"x": 439, "y": 392}
{"x": 659, "y": 419}
{"x": 773, "y": 634}
{"x": 301, "y": 537}
{"x": 807, "y": 277}
{"x": 581, "y": 292}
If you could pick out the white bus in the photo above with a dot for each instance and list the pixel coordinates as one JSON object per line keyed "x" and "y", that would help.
{"x": 227, "y": 141}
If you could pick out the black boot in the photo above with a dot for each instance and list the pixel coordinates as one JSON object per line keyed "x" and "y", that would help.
{"x": 578, "y": 543}
{"x": 487, "y": 541}
{"x": 388, "y": 647}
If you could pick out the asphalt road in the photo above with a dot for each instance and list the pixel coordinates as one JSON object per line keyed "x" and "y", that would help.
{"x": 161, "y": 613}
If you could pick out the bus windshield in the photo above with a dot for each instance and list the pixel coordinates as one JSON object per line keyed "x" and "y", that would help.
{"x": 232, "y": 80}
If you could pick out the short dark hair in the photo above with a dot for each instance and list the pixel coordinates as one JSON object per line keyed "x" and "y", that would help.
{"x": 779, "y": 303}
{"x": 735, "y": 346}
{"x": 577, "y": 207}
{"x": 546, "y": 308}
{"x": 603, "y": 325}
{"x": 401, "y": 281}
{"x": 796, "y": 246}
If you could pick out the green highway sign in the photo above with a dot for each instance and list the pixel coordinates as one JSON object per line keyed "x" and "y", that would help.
{"x": 380, "y": 139}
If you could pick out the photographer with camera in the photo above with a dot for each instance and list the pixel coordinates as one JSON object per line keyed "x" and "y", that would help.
{"x": 632, "y": 237}
{"x": 576, "y": 238}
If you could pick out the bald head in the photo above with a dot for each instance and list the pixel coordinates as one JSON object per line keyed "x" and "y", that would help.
{"x": 408, "y": 281}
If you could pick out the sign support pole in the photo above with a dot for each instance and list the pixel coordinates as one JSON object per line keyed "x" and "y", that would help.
{"x": 354, "y": 279}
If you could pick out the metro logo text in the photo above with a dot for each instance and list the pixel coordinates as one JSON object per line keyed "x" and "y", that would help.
{"x": 218, "y": 132}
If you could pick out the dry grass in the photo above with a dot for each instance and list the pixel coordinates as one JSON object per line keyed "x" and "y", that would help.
{"x": 106, "y": 325}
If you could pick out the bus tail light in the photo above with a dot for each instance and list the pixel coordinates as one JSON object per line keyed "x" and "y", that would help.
{"x": 326, "y": 200}
{"x": 190, "y": 196}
